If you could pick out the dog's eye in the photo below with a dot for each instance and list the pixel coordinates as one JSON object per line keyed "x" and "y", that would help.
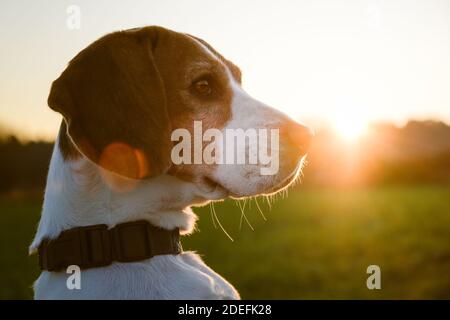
{"x": 202, "y": 87}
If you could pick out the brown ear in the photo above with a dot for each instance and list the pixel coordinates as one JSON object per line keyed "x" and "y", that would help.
{"x": 113, "y": 101}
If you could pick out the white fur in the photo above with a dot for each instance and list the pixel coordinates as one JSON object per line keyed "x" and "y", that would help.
{"x": 77, "y": 195}
{"x": 247, "y": 113}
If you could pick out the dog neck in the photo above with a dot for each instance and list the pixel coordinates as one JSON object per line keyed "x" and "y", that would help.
{"x": 77, "y": 194}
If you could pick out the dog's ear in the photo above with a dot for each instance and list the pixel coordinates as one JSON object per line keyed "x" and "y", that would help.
{"x": 112, "y": 98}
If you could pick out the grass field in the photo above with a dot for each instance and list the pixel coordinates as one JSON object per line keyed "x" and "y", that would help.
{"x": 314, "y": 244}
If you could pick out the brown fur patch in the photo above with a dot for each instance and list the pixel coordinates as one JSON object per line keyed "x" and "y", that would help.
{"x": 133, "y": 88}
{"x": 111, "y": 92}
{"x": 184, "y": 62}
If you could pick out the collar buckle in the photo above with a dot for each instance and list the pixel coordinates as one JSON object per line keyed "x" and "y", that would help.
{"x": 95, "y": 246}
{"x": 131, "y": 241}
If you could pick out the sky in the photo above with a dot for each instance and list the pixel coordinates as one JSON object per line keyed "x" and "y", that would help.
{"x": 320, "y": 61}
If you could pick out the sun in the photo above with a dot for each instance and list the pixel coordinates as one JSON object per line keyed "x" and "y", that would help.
{"x": 350, "y": 128}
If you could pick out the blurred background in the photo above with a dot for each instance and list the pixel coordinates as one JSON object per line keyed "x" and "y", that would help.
{"x": 371, "y": 77}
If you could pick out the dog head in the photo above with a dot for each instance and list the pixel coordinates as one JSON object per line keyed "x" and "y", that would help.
{"x": 124, "y": 95}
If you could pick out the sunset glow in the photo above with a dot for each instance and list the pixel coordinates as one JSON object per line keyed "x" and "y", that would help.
{"x": 389, "y": 57}
{"x": 350, "y": 129}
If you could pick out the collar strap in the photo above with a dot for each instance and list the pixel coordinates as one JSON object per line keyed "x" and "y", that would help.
{"x": 98, "y": 246}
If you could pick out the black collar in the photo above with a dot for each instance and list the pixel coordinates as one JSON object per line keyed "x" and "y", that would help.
{"x": 98, "y": 246}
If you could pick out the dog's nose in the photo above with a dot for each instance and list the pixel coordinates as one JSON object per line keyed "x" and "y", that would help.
{"x": 299, "y": 136}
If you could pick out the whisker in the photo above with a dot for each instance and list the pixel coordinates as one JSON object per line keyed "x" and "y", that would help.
{"x": 245, "y": 203}
{"x": 243, "y": 216}
{"x": 268, "y": 201}
{"x": 259, "y": 209}
{"x": 211, "y": 208}
{"x": 221, "y": 227}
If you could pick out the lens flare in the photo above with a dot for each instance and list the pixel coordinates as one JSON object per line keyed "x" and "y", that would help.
{"x": 126, "y": 165}
{"x": 350, "y": 128}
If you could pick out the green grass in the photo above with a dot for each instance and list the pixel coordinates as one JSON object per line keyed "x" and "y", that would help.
{"x": 18, "y": 220}
{"x": 314, "y": 244}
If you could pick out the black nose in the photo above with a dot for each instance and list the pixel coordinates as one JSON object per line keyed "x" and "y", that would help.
{"x": 299, "y": 136}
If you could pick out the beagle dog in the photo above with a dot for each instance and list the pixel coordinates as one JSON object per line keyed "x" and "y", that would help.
{"x": 121, "y": 98}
